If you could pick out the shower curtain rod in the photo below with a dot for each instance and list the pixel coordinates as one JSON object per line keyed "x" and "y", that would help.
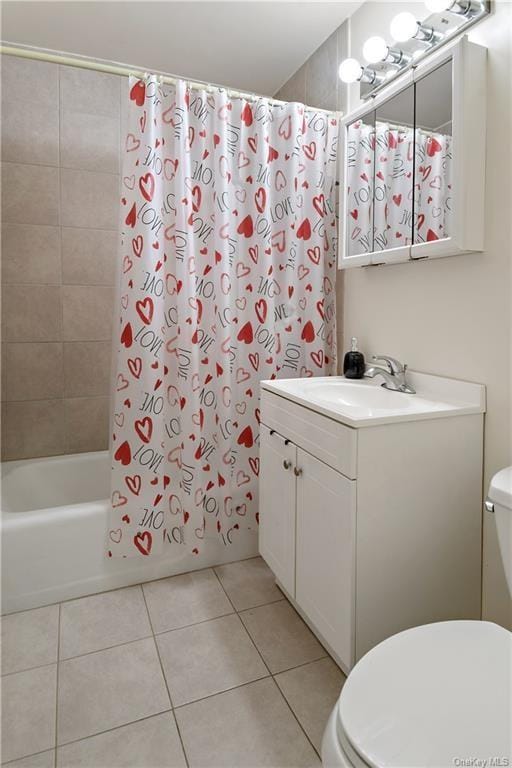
{"x": 114, "y": 68}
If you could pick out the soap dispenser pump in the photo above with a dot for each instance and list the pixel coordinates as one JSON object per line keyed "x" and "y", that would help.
{"x": 353, "y": 362}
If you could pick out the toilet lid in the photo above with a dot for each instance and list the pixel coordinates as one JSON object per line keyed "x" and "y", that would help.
{"x": 432, "y": 696}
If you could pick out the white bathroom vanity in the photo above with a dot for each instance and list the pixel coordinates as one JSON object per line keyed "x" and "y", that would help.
{"x": 371, "y": 504}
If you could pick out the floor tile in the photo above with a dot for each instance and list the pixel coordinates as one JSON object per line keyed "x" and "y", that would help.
{"x": 249, "y": 583}
{"x": 248, "y": 726}
{"x": 185, "y": 599}
{"x": 312, "y": 691}
{"x": 281, "y": 636}
{"x": 109, "y": 688}
{"x": 208, "y": 658}
{"x": 28, "y": 712}
{"x": 150, "y": 743}
{"x": 29, "y": 639}
{"x": 100, "y": 621}
{"x": 41, "y": 760}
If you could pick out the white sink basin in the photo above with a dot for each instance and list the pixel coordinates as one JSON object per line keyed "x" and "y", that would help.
{"x": 361, "y": 395}
{"x": 365, "y": 402}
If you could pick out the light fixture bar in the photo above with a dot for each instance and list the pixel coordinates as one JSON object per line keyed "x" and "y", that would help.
{"x": 417, "y": 39}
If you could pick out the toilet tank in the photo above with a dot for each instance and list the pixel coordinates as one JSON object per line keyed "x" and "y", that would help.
{"x": 499, "y": 501}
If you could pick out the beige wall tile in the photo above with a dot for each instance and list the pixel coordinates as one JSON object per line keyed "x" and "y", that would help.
{"x": 44, "y": 104}
{"x": 295, "y": 88}
{"x": 30, "y": 133}
{"x": 30, "y": 194}
{"x": 86, "y": 424}
{"x": 89, "y": 142}
{"x": 88, "y": 256}
{"x": 32, "y": 371}
{"x": 31, "y": 313}
{"x": 87, "y": 312}
{"x": 322, "y": 76}
{"x": 87, "y": 368}
{"x": 95, "y": 93}
{"x": 89, "y": 199}
{"x": 30, "y": 254}
{"x": 343, "y": 52}
{"x": 33, "y": 428}
{"x": 25, "y": 81}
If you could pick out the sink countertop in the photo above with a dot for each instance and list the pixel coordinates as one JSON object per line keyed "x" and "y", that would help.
{"x": 365, "y": 403}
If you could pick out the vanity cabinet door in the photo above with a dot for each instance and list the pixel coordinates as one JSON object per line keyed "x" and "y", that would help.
{"x": 325, "y": 578}
{"x": 277, "y": 506}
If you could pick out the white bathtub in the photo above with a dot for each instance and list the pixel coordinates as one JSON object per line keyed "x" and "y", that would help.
{"x": 53, "y": 522}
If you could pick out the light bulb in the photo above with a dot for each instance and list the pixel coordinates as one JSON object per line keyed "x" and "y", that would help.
{"x": 403, "y": 27}
{"x": 350, "y": 70}
{"x": 438, "y": 6}
{"x": 375, "y": 49}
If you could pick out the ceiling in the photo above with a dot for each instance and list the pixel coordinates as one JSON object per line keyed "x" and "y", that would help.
{"x": 255, "y": 45}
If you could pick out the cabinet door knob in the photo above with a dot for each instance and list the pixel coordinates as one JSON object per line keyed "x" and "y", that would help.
{"x": 297, "y": 471}
{"x": 287, "y": 464}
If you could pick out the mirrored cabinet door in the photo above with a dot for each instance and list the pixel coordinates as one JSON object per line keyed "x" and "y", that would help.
{"x": 360, "y": 155}
{"x": 433, "y": 199}
{"x": 414, "y": 164}
{"x": 394, "y": 170}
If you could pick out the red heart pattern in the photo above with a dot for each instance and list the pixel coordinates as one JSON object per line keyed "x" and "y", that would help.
{"x": 228, "y": 268}
{"x": 399, "y": 186}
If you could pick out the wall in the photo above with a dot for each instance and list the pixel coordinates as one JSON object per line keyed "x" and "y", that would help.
{"x": 60, "y": 184}
{"x": 449, "y": 316}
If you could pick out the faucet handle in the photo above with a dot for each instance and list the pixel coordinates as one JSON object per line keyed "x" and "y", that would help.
{"x": 394, "y": 366}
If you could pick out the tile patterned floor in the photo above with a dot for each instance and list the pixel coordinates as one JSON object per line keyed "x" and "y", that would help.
{"x": 212, "y": 668}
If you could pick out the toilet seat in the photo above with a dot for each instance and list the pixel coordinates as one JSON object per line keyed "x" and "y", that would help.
{"x": 428, "y": 697}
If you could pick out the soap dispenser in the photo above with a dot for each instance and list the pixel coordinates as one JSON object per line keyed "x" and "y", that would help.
{"x": 353, "y": 362}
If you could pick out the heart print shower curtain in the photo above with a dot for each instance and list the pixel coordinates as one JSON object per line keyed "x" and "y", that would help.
{"x": 227, "y": 269}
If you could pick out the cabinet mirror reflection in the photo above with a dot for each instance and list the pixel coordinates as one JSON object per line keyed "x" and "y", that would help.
{"x": 359, "y": 184}
{"x": 399, "y": 171}
{"x": 433, "y": 156}
{"x": 394, "y": 169}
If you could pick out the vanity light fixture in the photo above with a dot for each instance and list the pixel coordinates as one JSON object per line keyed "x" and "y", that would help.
{"x": 460, "y": 7}
{"x": 405, "y": 27}
{"x": 416, "y": 40}
{"x": 376, "y": 49}
{"x": 351, "y": 71}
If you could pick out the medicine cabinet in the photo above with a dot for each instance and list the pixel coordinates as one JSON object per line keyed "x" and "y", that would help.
{"x": 413, "y": 164}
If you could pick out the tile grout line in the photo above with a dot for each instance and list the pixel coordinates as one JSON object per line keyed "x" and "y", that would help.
{"x": 108, "y": 730}
{"x": 272, "y": 677}
{"x": 57, "y": 691}
{"x": 155, "y": 635}
{"x": 136, "y": 584}
{"x": 165, "y": 678}
{"x": 147, "y": 637}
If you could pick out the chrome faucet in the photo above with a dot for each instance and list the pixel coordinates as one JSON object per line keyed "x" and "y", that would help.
{"x": 393, "y": 374}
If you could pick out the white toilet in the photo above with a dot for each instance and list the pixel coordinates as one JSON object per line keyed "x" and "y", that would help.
{"x": 435, "y": 696}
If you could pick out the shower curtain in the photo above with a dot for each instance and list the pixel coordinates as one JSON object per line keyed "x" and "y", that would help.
{"x": 227, "y": 265}
{"x": 391, "y": 156}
